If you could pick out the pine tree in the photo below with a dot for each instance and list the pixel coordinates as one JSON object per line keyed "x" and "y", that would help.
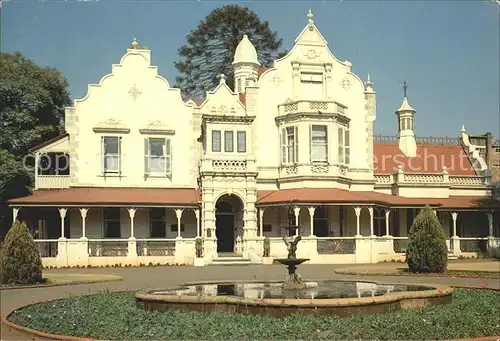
{"x": 21, "y": 261}
{"x": 427, "y": 251}
{"x": 210, "y": 48}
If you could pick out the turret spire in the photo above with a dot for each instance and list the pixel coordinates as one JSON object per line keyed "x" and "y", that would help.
{"x": 406, "y": 124}
{"x": 405, "y": 88}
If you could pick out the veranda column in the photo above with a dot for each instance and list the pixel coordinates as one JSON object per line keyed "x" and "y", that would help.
{"x": 387, "y": 216}
{"x": 296, "y": 211}
{"x": 370, "y": 210}
{"x": 62, "y": 212}
{"x": 15, "y": 212}
{"x": 261, "y": 221}
{"x": 62, "y": 247}
{"x": 131, "y": 213}
{"x": 357, "y": 210}
{"x": 455, "y": 240}
{"x": 178, "y": 214}
{"x": 197, "y": 215}
{"x": 83, "y": 213}
{"x": 311, "y": 217}
{"x": 491, "y": 237}
{"x": 132, "y": 243}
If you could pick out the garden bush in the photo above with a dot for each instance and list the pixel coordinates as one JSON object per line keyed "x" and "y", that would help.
{"x": 20, "y": 259}
{"x": 427, "y": 251}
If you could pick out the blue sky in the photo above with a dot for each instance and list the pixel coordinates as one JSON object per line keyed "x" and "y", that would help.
{"x": 447, "y": 50}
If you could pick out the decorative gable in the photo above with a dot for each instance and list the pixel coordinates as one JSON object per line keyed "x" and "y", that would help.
{"x": 223, "y": 102}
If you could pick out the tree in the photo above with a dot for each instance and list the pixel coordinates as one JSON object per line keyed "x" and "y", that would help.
{"x": 210, "y": 48}
{"x": 21, "y": 261}
{"x": 427, "y": 251}
{"x": 32, "y": 103}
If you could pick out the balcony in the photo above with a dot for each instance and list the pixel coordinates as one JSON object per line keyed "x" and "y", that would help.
{"x": 52, "y": 181}
{"x": 309, "y": 107}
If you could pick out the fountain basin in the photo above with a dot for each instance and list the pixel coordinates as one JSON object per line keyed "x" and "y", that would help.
{"x": 342, "y": 298}
{"x": 291, "y": 261}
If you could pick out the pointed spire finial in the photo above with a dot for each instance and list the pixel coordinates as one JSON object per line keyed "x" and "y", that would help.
{"x": 369, "y": 83}
{"x": 405, "y": 88}
{"x": 310, "y": 17}
{"x": 222, "y": 78}
{"x": 134, "y": 44}
{"x": 463, "y": 129}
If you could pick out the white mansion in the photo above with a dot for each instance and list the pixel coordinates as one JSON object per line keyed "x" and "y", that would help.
{"x": 290, "y": 145}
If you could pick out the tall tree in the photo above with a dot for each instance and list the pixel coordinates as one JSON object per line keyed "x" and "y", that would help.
{"x": 210, "y": 48}
{"x": 32, "y": 102}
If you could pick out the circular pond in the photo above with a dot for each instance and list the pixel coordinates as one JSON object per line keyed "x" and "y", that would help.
{"x": 342, "y": 298}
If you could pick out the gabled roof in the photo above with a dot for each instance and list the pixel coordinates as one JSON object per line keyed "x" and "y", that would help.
{"x": 48, "y": 142}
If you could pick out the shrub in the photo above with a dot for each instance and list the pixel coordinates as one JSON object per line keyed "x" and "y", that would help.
{"x": 21, "y": 262}
{"x": 427, "y": 251}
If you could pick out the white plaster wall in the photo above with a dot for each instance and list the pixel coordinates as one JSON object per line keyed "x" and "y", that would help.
{"x": 157, "y": 104}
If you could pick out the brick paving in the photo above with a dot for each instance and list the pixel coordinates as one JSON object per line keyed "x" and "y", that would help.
{"x": 158, "y": 277}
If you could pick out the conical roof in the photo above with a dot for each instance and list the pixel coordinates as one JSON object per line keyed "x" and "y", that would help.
{"x": 245, "y": 52}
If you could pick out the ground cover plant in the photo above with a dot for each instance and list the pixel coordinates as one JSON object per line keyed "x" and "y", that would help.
{"x": 473, "y": 313}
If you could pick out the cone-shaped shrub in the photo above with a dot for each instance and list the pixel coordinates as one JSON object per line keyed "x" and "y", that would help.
{"x": 21, "y": 262}
{"x": 427, "y": 251}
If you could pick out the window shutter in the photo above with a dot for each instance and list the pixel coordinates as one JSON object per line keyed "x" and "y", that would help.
{"x": 147, "y": 166}
{"x": 102, "y": 155}
{"x": 310, "y": 143}
{"x": 120, "y": 154}
{"x": 296, "y": 144}
{"x": 283, "y": 146}
{"x": 168, "y": 157}
{"x": 340, "y": 145}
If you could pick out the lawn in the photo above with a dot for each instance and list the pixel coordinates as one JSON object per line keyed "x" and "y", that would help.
{"x": 473, "y": 313}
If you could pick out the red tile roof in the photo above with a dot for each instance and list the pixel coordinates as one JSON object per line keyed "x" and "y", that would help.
{"x": 430, "y": 159}
{"x": 261, "y": 70}
{"x": 243, "y": 98}
{"x": 335, "y": 195}
{"x": 111, "y": 196}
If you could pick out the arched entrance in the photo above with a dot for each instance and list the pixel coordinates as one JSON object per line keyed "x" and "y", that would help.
{"x": 228, "y": 220}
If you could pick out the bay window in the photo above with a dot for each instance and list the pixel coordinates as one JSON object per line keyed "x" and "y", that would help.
{"x": 289, "y": 150}
{"x": 228, "y": 142}
{"x": 216, "y": 141}
{"x": 319, "y": 143}
{"x": 157, "y": 156}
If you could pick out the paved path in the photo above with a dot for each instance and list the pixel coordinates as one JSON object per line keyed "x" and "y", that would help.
{"x": 158, "y": 277}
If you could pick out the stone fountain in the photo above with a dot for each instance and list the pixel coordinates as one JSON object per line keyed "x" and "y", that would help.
{"x": 293, "y": 281}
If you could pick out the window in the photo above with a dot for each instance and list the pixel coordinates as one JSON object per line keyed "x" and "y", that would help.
{"x": 289, "y": 150}
{"x": 228, "y": 141}
{"x": 216, "y": 141}
{"x": 319, "y": 143}
{"x": 241, "y": 141}
{"x": 267, "y": 228}
{"x": 110, "y": 151}
{"x": 112, "y": 228}
{"x": 157, "y": 224}
{"x": 157, "y": 156}
{"x": 311, "y": 86}
{"x": 344, "y": 155}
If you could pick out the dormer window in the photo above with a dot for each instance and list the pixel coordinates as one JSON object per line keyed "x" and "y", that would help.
{"x": 311, "y": 85}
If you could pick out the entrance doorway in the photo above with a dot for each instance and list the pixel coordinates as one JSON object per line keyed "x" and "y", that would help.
{"x": 227, "y": 222}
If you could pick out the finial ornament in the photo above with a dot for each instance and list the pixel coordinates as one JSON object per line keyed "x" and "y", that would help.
{"x": 222, "y": 78}
{"x": 134, "y": 44}
{"x": 405, "y": 88}
{"x": 310, "y": 17}
{"x": 463, "y": 129}
{"x": 369, "y": 83}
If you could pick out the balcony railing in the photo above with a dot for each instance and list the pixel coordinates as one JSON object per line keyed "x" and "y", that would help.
{"x": 52, "y": 181}
{"x": 335, "y": 245}
{"x": 312, "y": 107}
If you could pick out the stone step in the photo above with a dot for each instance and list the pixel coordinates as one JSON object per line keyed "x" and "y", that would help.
{"x": 231, "y": 260}
{"x": 451, "y": 256}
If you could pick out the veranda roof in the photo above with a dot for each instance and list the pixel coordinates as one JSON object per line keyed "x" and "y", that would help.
{"x": 110, "y": 196}
{"x": 335, "y": 195}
